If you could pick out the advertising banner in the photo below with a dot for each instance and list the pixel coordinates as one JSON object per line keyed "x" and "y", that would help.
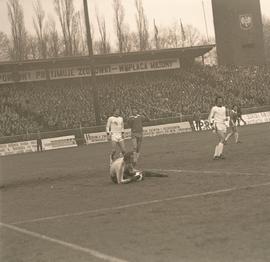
{"x": 18, "y": 148}
{"x": 175, "y": 128}
{"x": 85, "y": 71}
{"x": 59, "y": 142}
{"x": 254, "y": 118}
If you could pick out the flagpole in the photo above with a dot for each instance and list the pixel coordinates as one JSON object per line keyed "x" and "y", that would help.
{"x": 183, "y": 35}
{"x": 92, "y": 63}
{"x": 205, "y": 22}
{"x": 156, "y": 35}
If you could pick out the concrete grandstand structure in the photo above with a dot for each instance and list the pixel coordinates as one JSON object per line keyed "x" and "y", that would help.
{"x": 55, "y": 96}
{"x": 38, "y": 70}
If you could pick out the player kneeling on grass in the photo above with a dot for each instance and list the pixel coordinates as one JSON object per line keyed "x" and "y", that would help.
{"x": 217, "y": 118}
{"x": 122, "y": 170}
{"x": 115, "y": 133}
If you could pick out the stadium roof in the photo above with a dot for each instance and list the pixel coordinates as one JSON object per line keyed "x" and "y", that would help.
{"x": 184, "y": 53}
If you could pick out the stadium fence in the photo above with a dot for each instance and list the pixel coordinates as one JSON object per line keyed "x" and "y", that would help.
{"x": 79, "y": 132}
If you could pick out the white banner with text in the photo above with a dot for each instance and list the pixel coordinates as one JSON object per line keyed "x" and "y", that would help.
{"x": 18, "y": 148}
{"x": 254, "y": 118}
{"x": 85, "y": 71}
{"x": 167, "y": 129}
{"x": 59, "y": 142}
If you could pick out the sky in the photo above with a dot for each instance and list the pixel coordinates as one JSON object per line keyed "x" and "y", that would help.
{"x": 165, "y": 12}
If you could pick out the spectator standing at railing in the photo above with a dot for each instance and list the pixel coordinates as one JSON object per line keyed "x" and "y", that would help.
{"x": 197, "y": 119}
{"x": 39, "y": 141}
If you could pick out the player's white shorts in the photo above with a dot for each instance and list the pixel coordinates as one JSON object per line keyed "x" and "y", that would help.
{"x": 116, "y": 137}
{"x": 221, "y": 127}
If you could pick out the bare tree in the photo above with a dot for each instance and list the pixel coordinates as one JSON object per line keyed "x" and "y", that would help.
{"x": 65, "y": 12}
{"x": 177, "y": 35}
{"x": 193, "y": 35}
{"x": 173, "y": 37}
{"x": 104, "y": 45}
{"x": 130, "y": 40}
{"x": 54, "y": 40}
{"x": 39, "y": 25}
{"x": 170, "y": 37}
{"x": 76, "y": 34}
{"x": 33, "y": 47}
{"x": 119, "y": 15}
{"x": 18, "y": 31}
{"x": 4, "y": 47}
{"x": 99, "y": 47}
{"x": 142, "y": 26}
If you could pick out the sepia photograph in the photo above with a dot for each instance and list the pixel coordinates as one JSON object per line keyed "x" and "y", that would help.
{"x": 135, "y": 130}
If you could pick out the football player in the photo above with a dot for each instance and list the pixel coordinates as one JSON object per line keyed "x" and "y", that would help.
{"x": 233, "y": 125}
{"x": 115, "y": 133}
{"x": 217, "y": 118}
{"x": 136, "y": 124}
{"x": 122, "y": 171}
{"x": 239, "y": 116}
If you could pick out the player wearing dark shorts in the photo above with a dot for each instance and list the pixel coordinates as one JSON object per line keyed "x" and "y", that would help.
{"x": 239, "y": 116}
{"x": 233, "y": 125}
{"x": 136, "y": 124}
{"x": 197, "y": 119}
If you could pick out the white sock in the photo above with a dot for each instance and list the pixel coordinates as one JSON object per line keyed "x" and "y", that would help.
{"x": 227, "y": 137}
{"x": 220, "y": 149}
{"x": 216, "y": 151}
{"x": 236, "y": 137}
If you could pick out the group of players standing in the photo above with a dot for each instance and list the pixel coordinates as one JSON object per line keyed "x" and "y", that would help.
{"x": 122, "y": 170}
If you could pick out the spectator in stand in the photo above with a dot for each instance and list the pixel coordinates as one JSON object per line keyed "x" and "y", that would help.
{"x": 62, "y": 104}
{"x": 39, "y": 141}
{"x": 197, "y": 119}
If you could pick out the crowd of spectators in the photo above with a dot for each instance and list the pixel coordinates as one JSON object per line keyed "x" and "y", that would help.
{"x": 68, "y": 104}
{"x": 13, "y": 121}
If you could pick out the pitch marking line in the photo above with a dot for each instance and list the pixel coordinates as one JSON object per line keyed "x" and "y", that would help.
{"x": 89, "y": 251}
{"x": 210, "y": 172}
{"x": 144, "y": 203}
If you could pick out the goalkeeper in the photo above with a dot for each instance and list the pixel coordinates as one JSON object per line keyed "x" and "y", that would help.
{"x": 122, "y": 170}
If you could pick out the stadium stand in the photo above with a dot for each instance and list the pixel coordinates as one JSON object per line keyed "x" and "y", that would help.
{"x": 67, "y": 104}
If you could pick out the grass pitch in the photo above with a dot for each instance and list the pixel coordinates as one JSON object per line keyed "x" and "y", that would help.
{"x": 61, "y": 205}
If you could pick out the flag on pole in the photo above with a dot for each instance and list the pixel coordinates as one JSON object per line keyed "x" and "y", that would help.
{"x": 156, "y": 34}
{"x": 182, "y": 31}
{"x": 156, "y": 29}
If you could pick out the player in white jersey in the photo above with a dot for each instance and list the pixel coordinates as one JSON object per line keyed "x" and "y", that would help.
{"x": 217, "y": 118}
{"x": 115, "y": 132}
{"x": 122, "y": 170}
